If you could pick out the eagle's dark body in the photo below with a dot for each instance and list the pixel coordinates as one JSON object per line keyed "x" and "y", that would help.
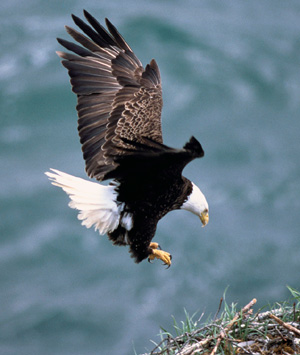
{"x": 119, "y": 123}
{"x": 151, "y": 185}
{"x": 147, "y": 206}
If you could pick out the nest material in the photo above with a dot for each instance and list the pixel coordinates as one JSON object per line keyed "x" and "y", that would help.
{"x": 263, "y": 333}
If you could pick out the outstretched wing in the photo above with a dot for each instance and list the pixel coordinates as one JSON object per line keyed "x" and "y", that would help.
{"x": 117, "y": 97}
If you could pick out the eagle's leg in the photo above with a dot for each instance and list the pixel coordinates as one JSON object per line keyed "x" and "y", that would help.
{"x": 154, "y": 246}
{"x": 159, "y": 254}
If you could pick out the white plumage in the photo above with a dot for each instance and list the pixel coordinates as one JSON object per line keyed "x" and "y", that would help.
{"x": 126, "y": 221}
{"x": 97, "y": 203}
{"x": 196, "y": 202}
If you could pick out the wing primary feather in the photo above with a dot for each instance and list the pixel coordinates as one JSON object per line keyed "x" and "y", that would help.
{"x": 88, "y": 30}
{"x": 83, "y": 40}
{"x": 117, "y": 36}
{"x": 99, "y": 28}
{"x": 73, "y": 47}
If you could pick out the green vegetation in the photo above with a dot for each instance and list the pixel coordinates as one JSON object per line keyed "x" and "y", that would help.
{"x": 236, "y": 331}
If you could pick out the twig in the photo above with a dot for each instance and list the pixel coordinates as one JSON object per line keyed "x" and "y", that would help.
{"x": 199, "y": 345}
{"x": 220, "y": 304}
{"x": 285, "y": 325}
{"x": 230, "y": 324}
{"x": 189, "y": 350}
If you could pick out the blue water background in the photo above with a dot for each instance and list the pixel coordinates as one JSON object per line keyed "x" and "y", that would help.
{"x": 231, "y": 77}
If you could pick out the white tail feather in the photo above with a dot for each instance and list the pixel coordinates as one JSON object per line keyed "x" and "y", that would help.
{"x": 96, "y": 203}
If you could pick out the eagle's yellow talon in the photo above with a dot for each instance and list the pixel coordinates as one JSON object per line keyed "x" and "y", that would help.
{"x": 160, "y": 254}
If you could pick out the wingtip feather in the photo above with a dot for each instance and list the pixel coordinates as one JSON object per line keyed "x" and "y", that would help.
{"x": 194, "y": 146}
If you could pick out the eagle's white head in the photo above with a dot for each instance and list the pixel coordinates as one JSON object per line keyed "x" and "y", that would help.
{"x": 197, "y": 204}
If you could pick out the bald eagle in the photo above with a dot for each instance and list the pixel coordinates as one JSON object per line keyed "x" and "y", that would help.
{"x": 119, "y": 122}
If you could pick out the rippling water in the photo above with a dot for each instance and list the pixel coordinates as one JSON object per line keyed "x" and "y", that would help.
{"x": 231, "y": 77}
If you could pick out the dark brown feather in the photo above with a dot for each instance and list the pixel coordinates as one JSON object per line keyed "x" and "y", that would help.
{"x": 117, "y": 97}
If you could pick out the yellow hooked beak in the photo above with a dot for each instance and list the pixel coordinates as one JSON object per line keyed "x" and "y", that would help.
{"x": 204, "y": 217}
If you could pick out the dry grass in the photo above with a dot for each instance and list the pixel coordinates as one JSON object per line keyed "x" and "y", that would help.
{"x": 276, "y": 331}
